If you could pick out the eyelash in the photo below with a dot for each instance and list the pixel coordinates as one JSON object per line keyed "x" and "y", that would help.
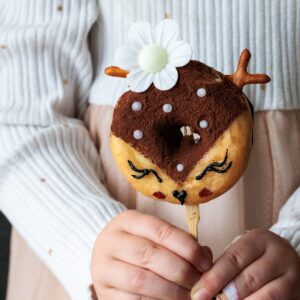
{"x": 213, "y": 167}
{"x": 210, "y": 168}
{"x": 143, "y": 172}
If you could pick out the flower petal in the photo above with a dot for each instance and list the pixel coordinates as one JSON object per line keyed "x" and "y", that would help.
{"x": 166, "y": 78}
{"x": 179, "y": 53}
{"x": 166, "y": 32}
{"x": 140, "y": 35}
{"x": 126, "y": 57}
{"x": 139, "y": 80}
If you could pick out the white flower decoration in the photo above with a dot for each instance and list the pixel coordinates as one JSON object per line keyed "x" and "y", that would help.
{"x": 153, "y": 55}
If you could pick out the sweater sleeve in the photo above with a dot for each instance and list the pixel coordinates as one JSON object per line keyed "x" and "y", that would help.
{"x": 288, "y": 225}
{"x": 49, "y": 167}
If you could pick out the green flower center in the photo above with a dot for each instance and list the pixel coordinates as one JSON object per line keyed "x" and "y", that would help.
{"x": 153, "y": 58}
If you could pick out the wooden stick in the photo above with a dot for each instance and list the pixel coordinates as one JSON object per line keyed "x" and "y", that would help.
{"x": 221, "y": 297}
{"x": 192, "y": 215}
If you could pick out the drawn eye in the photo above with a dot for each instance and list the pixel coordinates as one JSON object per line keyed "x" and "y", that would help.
{"x": 143, "y": 172}
{"x": 221, "y": 167}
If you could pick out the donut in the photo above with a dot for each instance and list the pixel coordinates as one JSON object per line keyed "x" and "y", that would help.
{"x": 184, "y": 139}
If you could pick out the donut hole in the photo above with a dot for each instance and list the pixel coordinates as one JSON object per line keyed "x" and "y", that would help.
{"x": 174, "y": 135}
{"x": 171, "y": 136}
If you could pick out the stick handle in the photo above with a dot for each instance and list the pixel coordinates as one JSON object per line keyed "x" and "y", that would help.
{"x": 192, "y": 214}
{"x": 221, "y": 297}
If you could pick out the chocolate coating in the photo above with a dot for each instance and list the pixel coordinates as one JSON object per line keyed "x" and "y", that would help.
{"x": 163, "y": 142}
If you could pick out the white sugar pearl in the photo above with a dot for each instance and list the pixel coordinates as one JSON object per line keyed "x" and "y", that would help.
{"x": 180, "y": 167}
{"x": 138, "y": 134}
{"x": 201, "y": 92}
{"x": 136, "y": 106}
{"x": 203, "y": 124}
{"x": 167, "y": 108}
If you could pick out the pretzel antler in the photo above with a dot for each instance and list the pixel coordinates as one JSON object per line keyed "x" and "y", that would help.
{"x": 241, "y": 77}
{"x": 116, "y": 72}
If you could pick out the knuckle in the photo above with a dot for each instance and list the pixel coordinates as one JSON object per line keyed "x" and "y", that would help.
{"x": 103, "y": 293}
{"x": 250, "y": 282}
{"x": 258, "y": 231}
{"x": 138, "y": 280}
{"x": 125, "y": 215}
{"x": 140, "y": 297}
{"x": 293, "y": 275}
{"x": 212, "y": 282}
{"x": 146, "y": 253}
{"x": 297, "y": 271}
{"x": 193, "y": 252}
{"x": 98, "y": 273}
{"x": 174, "y": 292}
{"x": 270, "y": 295}
{"x": 261, "y": 234}
{"x": 182, "y": 272}
{"x": 163, "y": 232}
{"x": 234, "y": 258}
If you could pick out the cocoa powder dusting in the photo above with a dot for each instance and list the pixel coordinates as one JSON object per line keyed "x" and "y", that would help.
{"x": 162, "y": 141}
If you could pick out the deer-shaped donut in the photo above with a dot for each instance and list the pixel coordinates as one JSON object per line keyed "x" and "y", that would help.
{"x": 182, "y": 133}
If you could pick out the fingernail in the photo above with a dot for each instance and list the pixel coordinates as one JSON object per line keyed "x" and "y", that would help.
{"x": 208, "y": 252}
{"x": 200, "y": 295}
{"x": 206, "y": 264}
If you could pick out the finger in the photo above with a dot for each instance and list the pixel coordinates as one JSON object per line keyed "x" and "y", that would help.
{"x": 144, "y": 253}
{"x": 113, "y": 294}
{"x": 239, "y": 255}
{"x": 277, "y": 289}
{"x": 256, "y": 275}
{"x": 208, "y": 252}
{"x": 134, "y": 280}
{"x": 170, "y": 237}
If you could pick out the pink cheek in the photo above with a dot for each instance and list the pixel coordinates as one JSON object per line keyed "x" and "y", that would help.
{"x": 159, "y": 195}
{"x": 205, "y": 193}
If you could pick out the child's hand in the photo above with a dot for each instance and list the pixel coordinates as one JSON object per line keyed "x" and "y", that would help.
{"x": 138, "y": 256}
{"x": 261, "y": 265}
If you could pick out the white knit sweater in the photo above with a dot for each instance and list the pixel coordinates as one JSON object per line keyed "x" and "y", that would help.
{"x": 49, "y": 167}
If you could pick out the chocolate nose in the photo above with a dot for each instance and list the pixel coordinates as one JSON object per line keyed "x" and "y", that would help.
{"x": 180, "y": 196}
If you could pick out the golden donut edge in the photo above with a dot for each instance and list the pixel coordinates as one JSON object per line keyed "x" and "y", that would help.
{"x": 237, "y": 139}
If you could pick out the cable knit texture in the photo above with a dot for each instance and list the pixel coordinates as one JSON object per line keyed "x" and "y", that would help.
{"x": 49, "y": 167}
{"x": 218, "y": 30}
{"x": 288, "y": 225}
